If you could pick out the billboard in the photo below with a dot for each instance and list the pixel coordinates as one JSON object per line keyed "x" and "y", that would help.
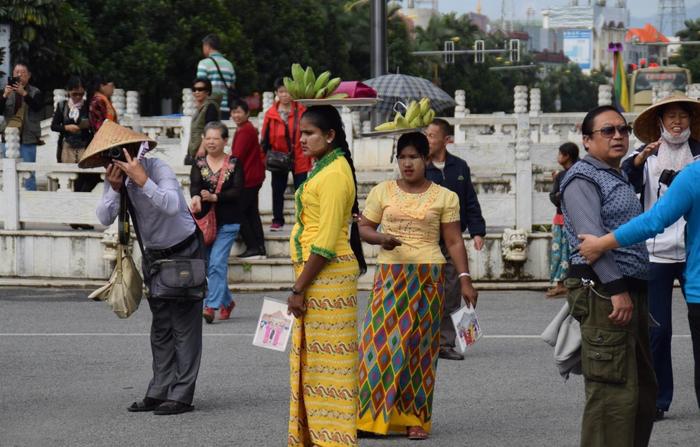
{"x": 578, "y": 47}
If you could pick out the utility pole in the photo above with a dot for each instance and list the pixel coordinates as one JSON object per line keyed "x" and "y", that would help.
{"x": 379, "y": 60}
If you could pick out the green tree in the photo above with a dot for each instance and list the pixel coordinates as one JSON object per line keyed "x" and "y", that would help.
{"x": 577, "y": 92}
{"x": 689, "y": 55}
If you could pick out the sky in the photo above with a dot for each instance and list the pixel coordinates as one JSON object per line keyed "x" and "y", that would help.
{"x": 492, "y": 8}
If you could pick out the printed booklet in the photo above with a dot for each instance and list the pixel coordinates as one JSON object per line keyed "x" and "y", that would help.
{"x": 274, "y": 326}
{"x": 467, "y": 328}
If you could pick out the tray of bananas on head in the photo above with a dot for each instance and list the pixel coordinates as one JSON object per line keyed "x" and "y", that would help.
{"x": 418, "y": 115}
{"x": 310, "y": 90}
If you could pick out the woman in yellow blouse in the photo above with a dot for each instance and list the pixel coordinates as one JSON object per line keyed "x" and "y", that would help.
{"x": 323, "y": 359}
{"x": 400, "y": 337}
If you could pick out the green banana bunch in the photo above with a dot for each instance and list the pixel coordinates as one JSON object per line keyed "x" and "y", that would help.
{"x": 418, "y": 114}
{"x": 304, "y": 84}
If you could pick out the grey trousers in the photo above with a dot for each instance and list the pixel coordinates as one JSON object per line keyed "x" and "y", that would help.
{"x": 176, "y": 344}
{"x": 451, "y": 303}
{"x": 176, "y": 339}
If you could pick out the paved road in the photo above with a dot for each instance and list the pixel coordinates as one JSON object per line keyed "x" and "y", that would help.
{"x": 69, "y": 368}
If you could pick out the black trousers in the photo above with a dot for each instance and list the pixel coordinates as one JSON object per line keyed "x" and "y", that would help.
{"x": 279, "y": 186}
{"x": 251, "y": 225}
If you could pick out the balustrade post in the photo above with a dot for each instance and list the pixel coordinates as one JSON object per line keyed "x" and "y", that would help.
{"x": 11, "y": 179}
{"x": 605, "y": 95}
{"x": 188, "y": 108}
{"x": 461, "y": 111}
{"x": 119, "y": 102}
{"x": 535, "y": 102}
{"x": 132, "y": 104}
{"x": 59, "y": 95}
{"x": 523, "y": 164}
{"x": 693, "y": 91}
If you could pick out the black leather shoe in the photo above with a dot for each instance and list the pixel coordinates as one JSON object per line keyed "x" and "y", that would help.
{"x": 659, "y": 414}
{"x": 147, "y": 404}
{"x": 172, "y": 407}
{"x": 449, "y": 353}
{"x": 250, "y": 255}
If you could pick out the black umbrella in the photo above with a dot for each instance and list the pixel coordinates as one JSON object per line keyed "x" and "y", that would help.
{"x": 393, "y": 88}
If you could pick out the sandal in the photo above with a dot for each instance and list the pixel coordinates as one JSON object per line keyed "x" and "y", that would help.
{"x": 147, "y": 404}
{"x": 416, "y": 433}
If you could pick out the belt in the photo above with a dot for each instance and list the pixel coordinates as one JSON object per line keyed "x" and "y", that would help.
{"x": 167, "y": 252}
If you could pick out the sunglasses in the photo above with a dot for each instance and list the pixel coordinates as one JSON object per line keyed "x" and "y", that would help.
{"x": 199, "y": 89}
{"x": 609, "y": 131}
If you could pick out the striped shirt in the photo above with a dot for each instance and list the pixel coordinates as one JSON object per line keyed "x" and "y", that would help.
{"x": 207, "y": 69}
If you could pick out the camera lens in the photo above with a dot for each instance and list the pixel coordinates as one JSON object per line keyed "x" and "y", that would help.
{"x": 114, "y": 152}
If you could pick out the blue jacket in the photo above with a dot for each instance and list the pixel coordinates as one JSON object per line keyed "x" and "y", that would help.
{"x": 681, "y": 199}
{"x": 457, "y": 178}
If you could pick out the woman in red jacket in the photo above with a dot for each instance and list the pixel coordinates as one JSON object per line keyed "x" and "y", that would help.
{"x": 246, "y": 149}
{"x": 281, "y": 132}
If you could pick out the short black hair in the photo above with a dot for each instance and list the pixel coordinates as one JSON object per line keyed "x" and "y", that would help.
{"x": 279, "y": 82}
{"x": 24, "y": 64}
{"x": 74, "y": 82}
{"x": 587, "y": 124}
{"x": 205, "y": 81}
{"x": 416, "y": 139}
{"x": 218, "y": 125}
{"x": 212, "y": 40}
{"x": 239, "y": 103}
{"x": 447, "y": 128}
{"x": 570, "y": 150}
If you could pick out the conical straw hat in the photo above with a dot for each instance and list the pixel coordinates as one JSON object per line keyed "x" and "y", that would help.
{"x": 110, "y": 135}
{"x": 646, "y": 126}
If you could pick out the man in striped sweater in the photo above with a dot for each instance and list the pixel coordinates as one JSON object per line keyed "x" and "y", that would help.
{"x": 218, "y": 70}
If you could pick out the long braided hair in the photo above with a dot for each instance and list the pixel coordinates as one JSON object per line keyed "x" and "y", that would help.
{"x": 327, "y": 118}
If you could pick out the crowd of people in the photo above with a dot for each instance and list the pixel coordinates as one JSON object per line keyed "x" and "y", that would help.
{"x": 619, "y": 240}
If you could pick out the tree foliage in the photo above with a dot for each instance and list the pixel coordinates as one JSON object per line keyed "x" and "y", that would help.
{"x": 689, "y": 55}
{"x": 153, "y": 46}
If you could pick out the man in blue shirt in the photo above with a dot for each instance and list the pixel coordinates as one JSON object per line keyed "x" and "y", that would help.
{"x": 453, "y": 173}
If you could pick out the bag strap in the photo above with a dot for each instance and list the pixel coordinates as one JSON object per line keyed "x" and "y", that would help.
{"x": 219, "y": 70}
{"x": 130, "y": 209}
{"x": 220, "y": 181}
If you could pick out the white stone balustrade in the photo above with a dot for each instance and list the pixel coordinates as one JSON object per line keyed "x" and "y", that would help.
{"x": 132, "y": 104}
{"x": 605, "y": 95}
{"x": 188, "y": 108}
{"x": 660, "y": 91}
{"x": 268, "y": 100}
{"x": 119, "y": 102}
{"x": 535, "y": 102}
{"x": 693, "y": 91}
{"x": 520, "y": 99}
{"x": 12, "y": 142}
{"x": 59, "y": 95}
{"x": 461, "y": 104}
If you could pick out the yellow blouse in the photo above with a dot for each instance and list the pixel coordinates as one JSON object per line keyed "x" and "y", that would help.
{"x": 323, "y": 205}
{"x": 412, "y": 218}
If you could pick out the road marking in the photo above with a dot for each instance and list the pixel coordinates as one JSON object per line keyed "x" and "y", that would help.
{"x": 225, "y": 334}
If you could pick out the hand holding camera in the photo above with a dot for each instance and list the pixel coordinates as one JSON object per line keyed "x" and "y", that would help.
{"x": 122, "y": 163}
{"x": 14, "y": 84}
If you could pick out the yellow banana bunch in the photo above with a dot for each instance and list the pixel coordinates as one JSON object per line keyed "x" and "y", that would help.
{"x": 304, "y": 84}
{"x": 418, "y": 114}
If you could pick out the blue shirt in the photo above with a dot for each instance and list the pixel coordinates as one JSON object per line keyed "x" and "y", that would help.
{"x": 681, "y": 200}
{"x": 161, "y": 210}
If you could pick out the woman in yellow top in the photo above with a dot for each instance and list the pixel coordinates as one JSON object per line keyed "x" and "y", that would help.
{"x": 323, "y": 359}
{"x": 400, "y": 336}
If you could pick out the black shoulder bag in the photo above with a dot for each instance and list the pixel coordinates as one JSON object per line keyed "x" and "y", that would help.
{"x": 169, "y": 275}
{"x": 231, "y": 92}
{"x": 277, "y": 161}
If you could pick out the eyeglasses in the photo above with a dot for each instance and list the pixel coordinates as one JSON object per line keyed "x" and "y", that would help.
{"x": 609, "y": 131}
{"x": 199, "y": 89}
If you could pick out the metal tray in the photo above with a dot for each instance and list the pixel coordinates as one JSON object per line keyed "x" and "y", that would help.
{"x": 347, "y": 102}
{"x": 384, "y": 133}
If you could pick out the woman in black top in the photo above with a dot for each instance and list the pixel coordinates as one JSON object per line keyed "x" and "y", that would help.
{"x": 72, "y": 121}
{"x": 204, "y": 179}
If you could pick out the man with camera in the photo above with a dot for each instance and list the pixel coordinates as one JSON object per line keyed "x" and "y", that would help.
{"x": 670, "y": 130}
{"x": 21, "y": 106}
{"x": 148, "y": 188}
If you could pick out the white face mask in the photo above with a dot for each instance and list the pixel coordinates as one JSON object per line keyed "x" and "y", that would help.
{"x": 670, "y": 138}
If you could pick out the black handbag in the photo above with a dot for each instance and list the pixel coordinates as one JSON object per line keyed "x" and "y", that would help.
{"x": 277, "y": 161}
{"x": 170, "y": 276}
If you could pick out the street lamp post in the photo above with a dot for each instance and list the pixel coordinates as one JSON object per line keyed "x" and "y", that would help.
{"x": 378, "y": 54}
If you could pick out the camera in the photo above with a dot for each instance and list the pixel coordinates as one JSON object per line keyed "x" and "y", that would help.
{"x": 13, "y": 80}
{"x": 667, "y": 176}
{"x": 114, "y": 153}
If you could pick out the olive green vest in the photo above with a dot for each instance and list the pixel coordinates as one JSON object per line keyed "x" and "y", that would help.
{"x": 197, "y": 126}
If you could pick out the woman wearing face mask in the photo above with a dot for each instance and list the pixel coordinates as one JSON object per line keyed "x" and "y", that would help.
{"x": 402, "y": 323}
{"x": 671, "y": 130}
